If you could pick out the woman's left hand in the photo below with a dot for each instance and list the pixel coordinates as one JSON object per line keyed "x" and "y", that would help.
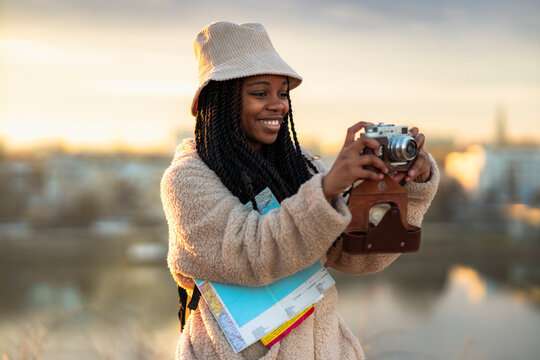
{"x": 420, "y": 171}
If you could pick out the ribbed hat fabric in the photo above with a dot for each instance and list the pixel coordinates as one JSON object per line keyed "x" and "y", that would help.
{"x": 226, "y": 50}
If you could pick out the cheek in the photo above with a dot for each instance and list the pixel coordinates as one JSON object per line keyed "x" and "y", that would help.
{"x": 285, "y": 106}
{"x": 249, "y": 113}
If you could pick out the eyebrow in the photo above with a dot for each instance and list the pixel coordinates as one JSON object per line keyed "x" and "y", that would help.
{"x": 265, "y": 82}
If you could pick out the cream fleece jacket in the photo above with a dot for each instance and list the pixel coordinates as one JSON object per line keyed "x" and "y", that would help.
{"x": 213, "y": 236}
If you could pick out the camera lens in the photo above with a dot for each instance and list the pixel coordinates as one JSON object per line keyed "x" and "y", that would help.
{"x": 411, "y": 149}
{"x": 402, "y": 148}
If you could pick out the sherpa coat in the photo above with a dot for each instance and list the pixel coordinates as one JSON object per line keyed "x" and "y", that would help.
{"x": 213, "y": 236}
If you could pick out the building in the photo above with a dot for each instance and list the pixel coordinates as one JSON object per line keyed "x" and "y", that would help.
{"x": 499, "y": 173}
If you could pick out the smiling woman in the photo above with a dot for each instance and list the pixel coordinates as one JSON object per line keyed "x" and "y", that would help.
{"x": 246, "y": 149}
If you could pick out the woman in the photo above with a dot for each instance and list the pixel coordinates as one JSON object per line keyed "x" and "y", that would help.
{"x": 243, "y": 145}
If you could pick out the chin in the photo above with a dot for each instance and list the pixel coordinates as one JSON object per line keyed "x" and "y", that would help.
{"x": 269, "y": 140}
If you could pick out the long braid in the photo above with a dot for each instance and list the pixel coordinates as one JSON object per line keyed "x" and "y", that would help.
{"x": 296, "y": 143}
{"x": 223, "y": 146}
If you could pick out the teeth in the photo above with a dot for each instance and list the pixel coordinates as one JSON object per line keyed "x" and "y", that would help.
{"x": 271, "y": 122}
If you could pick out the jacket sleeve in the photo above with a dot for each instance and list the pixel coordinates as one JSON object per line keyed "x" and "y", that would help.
{"x": 213, "y": 236}
{"x": 420, "y": 196}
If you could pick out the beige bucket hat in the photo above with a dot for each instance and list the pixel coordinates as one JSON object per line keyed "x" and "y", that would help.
{"x": 226, "y": 50}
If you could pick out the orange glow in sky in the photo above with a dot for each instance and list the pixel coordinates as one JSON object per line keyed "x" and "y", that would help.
{"x": 133, "y": 83}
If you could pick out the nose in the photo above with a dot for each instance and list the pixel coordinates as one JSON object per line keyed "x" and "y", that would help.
{"x": 277, "y": 104}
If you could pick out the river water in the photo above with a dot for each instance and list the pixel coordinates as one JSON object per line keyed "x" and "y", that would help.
{"x": 412, "y": 310}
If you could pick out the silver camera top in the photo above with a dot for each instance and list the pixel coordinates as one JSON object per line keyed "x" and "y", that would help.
{"x": 387, "y": 130}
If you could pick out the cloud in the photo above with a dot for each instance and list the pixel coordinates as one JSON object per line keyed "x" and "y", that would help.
{"x": 519, "y": 15}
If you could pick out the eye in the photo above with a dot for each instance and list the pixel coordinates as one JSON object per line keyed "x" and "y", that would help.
{"x": 263, "y": 93}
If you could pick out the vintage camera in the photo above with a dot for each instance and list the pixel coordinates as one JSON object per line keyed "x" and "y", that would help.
{"x": 398, "y": 149}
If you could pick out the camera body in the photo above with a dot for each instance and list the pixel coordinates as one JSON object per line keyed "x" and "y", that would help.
{"x": 398, "y": 149}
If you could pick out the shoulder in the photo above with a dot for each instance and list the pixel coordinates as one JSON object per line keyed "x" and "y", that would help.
{"x": 187, "y": 168}
{"x": 314, "y": 158}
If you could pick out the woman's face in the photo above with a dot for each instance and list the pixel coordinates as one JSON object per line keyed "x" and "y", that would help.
{"x": 264, "y": 105}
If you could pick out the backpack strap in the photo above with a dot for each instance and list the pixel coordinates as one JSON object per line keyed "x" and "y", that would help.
{"x": 194, "y": 302}
{"x": 182, "y": 299}
{"x": 185, "y": 307}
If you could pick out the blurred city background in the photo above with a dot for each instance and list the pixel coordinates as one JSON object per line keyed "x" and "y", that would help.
{"x": 95, "y": 97}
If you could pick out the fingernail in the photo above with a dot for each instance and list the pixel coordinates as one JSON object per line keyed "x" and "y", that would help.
{"x": 411, "y": 173}
{"x": 381, "y": 176}
{"x": 386, "y": 170}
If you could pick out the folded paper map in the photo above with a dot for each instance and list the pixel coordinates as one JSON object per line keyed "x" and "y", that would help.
{"x": 249, "y": 314}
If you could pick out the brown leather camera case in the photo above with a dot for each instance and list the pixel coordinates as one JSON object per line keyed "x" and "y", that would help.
{"x": 393, "y": 234}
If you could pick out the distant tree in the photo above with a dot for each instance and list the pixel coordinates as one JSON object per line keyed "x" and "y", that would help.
{"x": 37, "y": 177}
{"x": 82, "y": 211}
{"x": 2, "y": 149}
{"x": 490, "y": 196}
{"x": 490, "y": 207}
{"x": 13, "y": 203}
{"x": 125, "y": 196}
{"x": 511, "y": 183}
{"x": 535, "y": 198}
{"x": 449, "y": 202}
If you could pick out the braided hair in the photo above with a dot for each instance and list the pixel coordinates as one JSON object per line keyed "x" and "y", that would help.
{"x": 223, "y": 146}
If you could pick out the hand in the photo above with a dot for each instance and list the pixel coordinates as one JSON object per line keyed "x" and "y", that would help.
{"x": 420, "y": 171}
{"x": 351, "y": 164}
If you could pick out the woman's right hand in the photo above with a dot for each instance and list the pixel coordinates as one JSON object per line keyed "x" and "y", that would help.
{"x": 351, "y": 163}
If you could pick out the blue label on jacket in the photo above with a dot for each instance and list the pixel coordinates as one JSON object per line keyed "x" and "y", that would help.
{"x": 265, "y": 200}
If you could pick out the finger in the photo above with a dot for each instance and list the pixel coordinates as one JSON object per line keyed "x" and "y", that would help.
{"x": 366, "y": 174}
{"x": 413, "y": 131}
{"x": 372, "y": 160}
{"x": 351, "y": 132}
{"x": 423, "y": 176}
{"x": 416, "y": 169}
{"x": 363, "y": 142}
{"x": 419, "y": 166}
{"x": 420, "y": 140}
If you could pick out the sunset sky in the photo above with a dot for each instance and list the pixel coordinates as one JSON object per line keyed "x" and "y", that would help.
{"x": 96, "y": 73}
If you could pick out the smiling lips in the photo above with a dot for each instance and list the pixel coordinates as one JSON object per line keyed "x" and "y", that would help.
{"x": 272, "y": 124}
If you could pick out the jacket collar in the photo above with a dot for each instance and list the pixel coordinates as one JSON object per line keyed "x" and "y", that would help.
{"x": 187, "y": 146}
